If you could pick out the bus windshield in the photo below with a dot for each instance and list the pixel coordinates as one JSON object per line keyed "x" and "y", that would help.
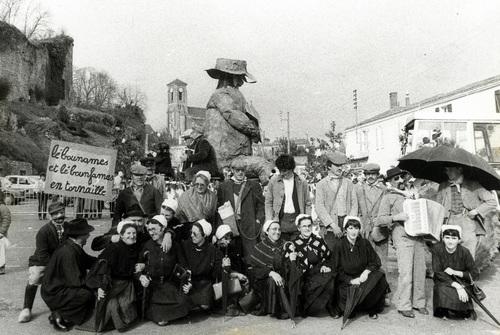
{"x": 487, "y": 141}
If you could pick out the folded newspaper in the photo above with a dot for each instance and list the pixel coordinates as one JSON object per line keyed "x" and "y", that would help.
{"x": 425, "y": 217}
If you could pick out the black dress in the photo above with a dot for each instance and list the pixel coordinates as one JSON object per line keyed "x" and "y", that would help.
{"x": 445, "y": 296}
{"x": 121, "y": 307}
{"x": 315, "y": 288}
{"x": 205, "y": 263}
{"x": 352, "y": 261}
{"x": 165, "y": 299}
{"x": 63, "y": 286}
{"x": 269, "y": 256}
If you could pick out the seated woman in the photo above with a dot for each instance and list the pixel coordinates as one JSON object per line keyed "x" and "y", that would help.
{"x": 165, "y": 300}
{"x": 359, "y": 265}
{"x": 197, "y": 203}
{"x": 119, "y": 296}
{"x": 203, "y": 260}
{"x": 451, "y": 263}
{"x": 269, "y": 271}
{"x": 314, "y": 264}
{"x": 232, "y": 265}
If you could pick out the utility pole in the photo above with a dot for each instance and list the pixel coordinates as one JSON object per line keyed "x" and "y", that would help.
{"x": 288, "y": 131}
{"x": 355, "y": 103}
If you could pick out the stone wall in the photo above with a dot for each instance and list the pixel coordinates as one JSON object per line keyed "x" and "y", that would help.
{"x": 44, "y": 66}
{"x": 11, "y": 167}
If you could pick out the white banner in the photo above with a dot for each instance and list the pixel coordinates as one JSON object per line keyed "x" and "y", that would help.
{"x": 78, "y": 170}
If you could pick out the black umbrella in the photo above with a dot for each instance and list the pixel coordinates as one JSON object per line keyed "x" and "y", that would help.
{"x": 471, "y": 294}
{"x": 429, "y": 163}
{"x": 354, "y": 294}
{"x": 145, "y": 289}
{"x": 286, "y": 305}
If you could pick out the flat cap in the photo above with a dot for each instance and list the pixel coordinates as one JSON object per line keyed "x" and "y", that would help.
{"x": 138, "y": 169}
{"x": 336, "y": 157}
{"x": 187, "y": 133}
{"x": 148, "y": 161}
{"x": 371, "y": 167}
{"x": 393, "y": 172}
{"x": 56, "y": 206}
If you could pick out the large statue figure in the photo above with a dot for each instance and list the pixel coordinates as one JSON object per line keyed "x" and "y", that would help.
{"x": 231, "y": 123}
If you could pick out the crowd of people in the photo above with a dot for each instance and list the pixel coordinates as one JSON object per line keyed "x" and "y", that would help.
{"x": 165, "y": 257}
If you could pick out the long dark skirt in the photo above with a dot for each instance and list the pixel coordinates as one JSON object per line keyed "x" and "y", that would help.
{"x": 269, "y": 296}
{"x": 317, "y": 292}
{"x": 446, "y": 297}
{"x": 166, "y": 303}
{"x": 373, "y": 292}
{"x": 75, "y": 310}
{"x": 202, "y": 293}
{"x": 116, "y": 311}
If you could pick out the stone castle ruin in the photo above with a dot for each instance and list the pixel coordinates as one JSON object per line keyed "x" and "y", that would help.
{"x": 36, "y": 70}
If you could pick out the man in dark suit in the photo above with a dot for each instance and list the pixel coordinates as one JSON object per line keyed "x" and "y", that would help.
{"x": 139, "y": 193}
{"x": 48, "y": 239}
{"x": 247, "y": 199}
{"x": 202, "y": 156}
{"x": 63, "y": 289}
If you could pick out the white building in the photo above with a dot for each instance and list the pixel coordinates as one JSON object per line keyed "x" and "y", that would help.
{"x": 468, "y": 117}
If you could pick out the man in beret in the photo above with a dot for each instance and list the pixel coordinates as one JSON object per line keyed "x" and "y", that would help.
{"x": 410, "y": 250}
{"x": 335, "y": 197}
{"x": 63, "y": 289}
{"x": 156, "y": 180}
{"x": 201, "y": 154}
{"x": 369, "y": 196}
{"x": 247, "y": 200}
{"x": 48, "y": 239}
{"x": 138, "y": 194}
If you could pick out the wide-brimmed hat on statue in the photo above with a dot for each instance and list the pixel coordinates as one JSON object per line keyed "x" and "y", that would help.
{"x": 231, "y": 66}
{"x": 76, "y": 227}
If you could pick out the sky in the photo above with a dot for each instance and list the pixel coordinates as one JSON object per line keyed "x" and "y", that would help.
{"x": 307, "y": 56}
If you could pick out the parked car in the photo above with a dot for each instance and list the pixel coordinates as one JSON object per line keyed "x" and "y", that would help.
{"x": 23, "y": 183}
{"x": 12, "y": 196}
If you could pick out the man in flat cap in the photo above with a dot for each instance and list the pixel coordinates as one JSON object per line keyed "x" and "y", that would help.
{"x": 231, "y": 124}
{"x": 369, "y": 194}
{"x": 48, "y": 239}
{"x": 410, "y": 250}
{"x": 155, "y": 180}
{"x": 201, "y": 155}
{"x": 247, "y": 200}
{"x": 335, "y": 197}
{"x": 138, "y": 193}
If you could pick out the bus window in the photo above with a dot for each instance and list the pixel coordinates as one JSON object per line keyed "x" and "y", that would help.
{"x": 487, "y": 141}
{"x": 455, "y": 133}
{"x": 422, "y": 134}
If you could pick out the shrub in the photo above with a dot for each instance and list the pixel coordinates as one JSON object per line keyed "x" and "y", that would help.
{"x": 63, "y": 115}
{"x": 39, "y": 94}
{"x": 5, "y": 87}
{"x": 97, "y": 127}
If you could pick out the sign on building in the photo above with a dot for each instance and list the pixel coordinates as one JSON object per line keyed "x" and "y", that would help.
{"x": 78, "y": 170}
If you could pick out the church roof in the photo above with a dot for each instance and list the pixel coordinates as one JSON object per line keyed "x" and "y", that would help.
{"x": 177, "y": 82}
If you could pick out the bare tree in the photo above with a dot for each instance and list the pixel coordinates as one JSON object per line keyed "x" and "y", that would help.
{"x": 131, "y": 96}
{"x": 92, "y": 88}
{"x": 28, "y": 16}
{"x": 105, "y": 89}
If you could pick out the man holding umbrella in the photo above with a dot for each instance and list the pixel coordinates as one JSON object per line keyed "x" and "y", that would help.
{"x": 466, "y": 204}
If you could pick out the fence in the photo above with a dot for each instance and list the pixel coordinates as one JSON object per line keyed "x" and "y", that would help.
{"x": 37, "y": 204}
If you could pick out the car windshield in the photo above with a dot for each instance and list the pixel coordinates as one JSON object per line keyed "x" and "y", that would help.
{"x": 487, "y": 141}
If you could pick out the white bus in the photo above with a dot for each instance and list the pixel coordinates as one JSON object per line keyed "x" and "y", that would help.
{"x": 468, "y": 117}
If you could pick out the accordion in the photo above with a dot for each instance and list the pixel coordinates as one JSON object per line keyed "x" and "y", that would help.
{"x": 425, "y": 218}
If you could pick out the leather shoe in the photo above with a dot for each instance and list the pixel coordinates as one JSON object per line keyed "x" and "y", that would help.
{"x": 422, "y": 310}
{"x": 373, "y": 316}
{"x": 24, "y": 316}
{"x": 407, "y": 314}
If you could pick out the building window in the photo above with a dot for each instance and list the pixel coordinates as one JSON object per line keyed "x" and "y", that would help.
{"x": 180, "y": 96}
{"x": 436, "y": 110}
{"x": 497, "y": 100}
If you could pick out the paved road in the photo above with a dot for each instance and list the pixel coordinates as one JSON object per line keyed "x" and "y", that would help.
{"x": 22, "y": 234}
